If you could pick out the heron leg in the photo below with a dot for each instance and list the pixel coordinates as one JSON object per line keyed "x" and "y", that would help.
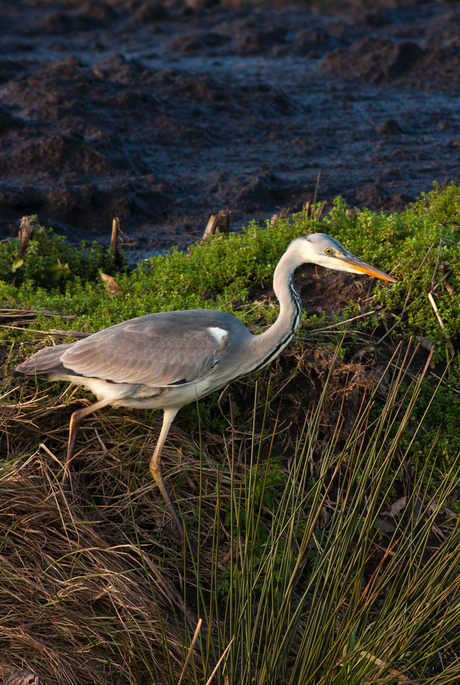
{"x": 155, "y": 468}
{"x": 75, "y": 421}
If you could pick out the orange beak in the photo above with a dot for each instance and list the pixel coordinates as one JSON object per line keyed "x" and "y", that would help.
{"x": 365, "y": 268}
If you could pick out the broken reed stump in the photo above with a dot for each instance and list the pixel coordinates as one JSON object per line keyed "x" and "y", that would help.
{"x": 114, "y": 239}
{"x": 26, "y": 228}
{"x": 218, "y": 223}
{"x": 312, "y": 211}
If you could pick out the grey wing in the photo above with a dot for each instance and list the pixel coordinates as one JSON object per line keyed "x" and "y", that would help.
{"x": 153, "y": 350}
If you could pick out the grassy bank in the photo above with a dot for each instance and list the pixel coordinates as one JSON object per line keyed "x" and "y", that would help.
{"x": 321, "y": 493}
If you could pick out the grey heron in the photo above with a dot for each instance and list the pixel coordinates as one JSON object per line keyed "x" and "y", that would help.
{"x": 169, "y": 359}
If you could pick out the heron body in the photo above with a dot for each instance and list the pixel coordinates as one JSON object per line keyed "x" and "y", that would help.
{"x": 169, "y": 359}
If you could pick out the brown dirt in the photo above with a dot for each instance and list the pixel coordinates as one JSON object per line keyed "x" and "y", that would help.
{"x": 162, "y": 113}
{"x": 323, "y": 291}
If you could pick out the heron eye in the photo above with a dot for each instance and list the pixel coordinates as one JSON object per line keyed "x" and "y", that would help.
{"x": 329, "y": 250}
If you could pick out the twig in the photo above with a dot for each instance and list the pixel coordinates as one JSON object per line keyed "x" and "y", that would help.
{"x": 50, "y": 454}
{"x": 52, "y": 331}
{"x": 437, "y": 264}
{"x": 218, "y": 663}
{"x": 440, "y": 379}
{"x": 454, "y": 242}
{"x": 12, "y": 313}
{"x": 317, "y": 186}
{"x": 441, "y": 323}
{"x": 436, "y": 311}
{"x": 441, "y": 280}
{"x": 354, "y": 318}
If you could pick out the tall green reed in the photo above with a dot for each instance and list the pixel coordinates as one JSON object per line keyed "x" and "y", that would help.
{"x": 316, "y": 593}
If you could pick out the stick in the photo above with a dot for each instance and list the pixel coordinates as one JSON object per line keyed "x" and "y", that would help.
{"x": 11, "y": 313}
{"x": 317, "y": 186}
{"x": 441, "y": 280}
{"x": 52, "y": 331}
{"x": 441, "y": 323}
{"x": 433, "y": 277}
{"x": 436, "y": 311}
{"x": 341, "y": 323}
{"x": 218, "y": 663}
{"x": 114, "y": 239}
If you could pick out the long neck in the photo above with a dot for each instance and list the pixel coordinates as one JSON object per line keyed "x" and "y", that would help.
{"x": 268, "y": 345}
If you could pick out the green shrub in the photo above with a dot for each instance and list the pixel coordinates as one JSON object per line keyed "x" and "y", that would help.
{"x": 50, "y": 261}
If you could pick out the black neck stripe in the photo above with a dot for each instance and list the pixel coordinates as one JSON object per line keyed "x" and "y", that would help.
{"x": 297, "y": 302}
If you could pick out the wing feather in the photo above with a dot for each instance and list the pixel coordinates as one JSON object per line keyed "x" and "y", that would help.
{"x": 156, "y": 350}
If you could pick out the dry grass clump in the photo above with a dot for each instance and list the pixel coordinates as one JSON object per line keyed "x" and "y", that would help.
{"x": 94, "y": 592}
{"x": 83, "y": 605}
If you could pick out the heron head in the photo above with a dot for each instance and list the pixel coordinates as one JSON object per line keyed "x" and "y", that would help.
{"x": 321, "y": 249}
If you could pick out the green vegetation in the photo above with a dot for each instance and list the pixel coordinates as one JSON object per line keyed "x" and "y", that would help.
{"x": 422, "y": 248}
{"x": 419, "y": 246}
{"x": 320, "y": 497}
{"x": 50, "y": 261}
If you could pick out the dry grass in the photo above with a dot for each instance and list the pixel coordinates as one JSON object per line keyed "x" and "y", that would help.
{"x": 97, "y": 592}
{"x": 83, "y": 599}
{"x": 88, "y": 593}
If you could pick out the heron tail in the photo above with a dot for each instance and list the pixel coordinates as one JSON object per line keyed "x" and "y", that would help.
{"x": 43, "y": 362}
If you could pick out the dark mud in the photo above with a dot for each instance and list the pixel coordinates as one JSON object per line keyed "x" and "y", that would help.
{"x": 162, "y": 113}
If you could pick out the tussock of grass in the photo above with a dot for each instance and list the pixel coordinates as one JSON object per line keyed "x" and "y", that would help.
{"x": 78, "y": 605}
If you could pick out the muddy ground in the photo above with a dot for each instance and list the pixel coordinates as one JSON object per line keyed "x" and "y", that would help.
{"x": 162, "y": 113}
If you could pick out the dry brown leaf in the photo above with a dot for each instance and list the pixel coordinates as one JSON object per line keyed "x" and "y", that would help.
{"x": 385, "y": 526}
{"x": 111, "y": 285}
{"x": 442, "y": 510}
{"x": 323, "y": 519}
{"x": 23, "y": 677}
{"x": 383, "y": 664}
{"x": 396, "y": 507}
{"x": 425, "y": 342}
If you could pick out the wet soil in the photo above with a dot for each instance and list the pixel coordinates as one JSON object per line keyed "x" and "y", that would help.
{"x": 163, "y": 113}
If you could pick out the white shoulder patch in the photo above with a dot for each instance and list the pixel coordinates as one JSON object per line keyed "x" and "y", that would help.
{"x": 218, "y": 333}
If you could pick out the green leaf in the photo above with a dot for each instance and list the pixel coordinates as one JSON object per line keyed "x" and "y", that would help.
{"x": 59, "y": 270}
{"x": 17, "y": 263}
